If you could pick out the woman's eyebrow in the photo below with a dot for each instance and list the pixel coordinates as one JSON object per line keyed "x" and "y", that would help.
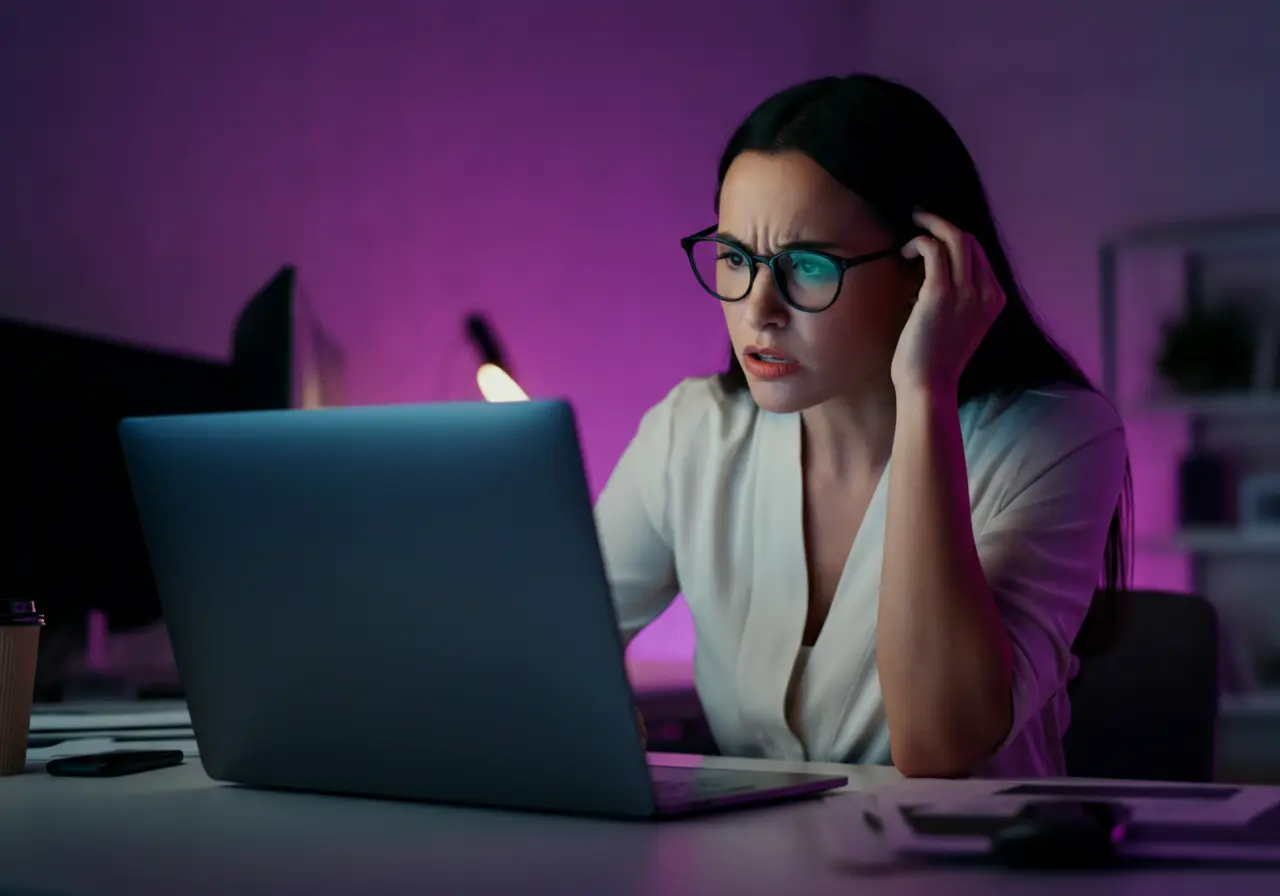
{"x": 823, "y": 245}
{"x": 826, "y": 245}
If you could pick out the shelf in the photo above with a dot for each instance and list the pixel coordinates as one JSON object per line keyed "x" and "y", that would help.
{"x": 1206, "y": 235}
{"x": 1240, "y": 404}
{"x": 1263, "y": 703}
{"x": 1215, "y": 540}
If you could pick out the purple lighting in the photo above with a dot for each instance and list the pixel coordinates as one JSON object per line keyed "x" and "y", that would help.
{"x": 414, "y": 161}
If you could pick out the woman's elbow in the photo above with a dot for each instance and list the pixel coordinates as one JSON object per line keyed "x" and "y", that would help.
{"x": 938, "y": 750}
{"x": 930, "y": 763}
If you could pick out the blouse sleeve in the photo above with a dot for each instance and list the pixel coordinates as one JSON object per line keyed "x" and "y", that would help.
{"x": 1042, "y": 550}
{"x": 631, "y": 520}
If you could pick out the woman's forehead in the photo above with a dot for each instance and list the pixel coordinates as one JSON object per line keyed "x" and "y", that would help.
{"x": 789, "y": 197}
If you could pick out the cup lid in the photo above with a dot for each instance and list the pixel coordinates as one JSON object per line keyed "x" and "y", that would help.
{"x": 19, "y": 612}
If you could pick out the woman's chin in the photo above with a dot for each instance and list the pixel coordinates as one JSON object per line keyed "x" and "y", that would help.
{"x": 781, "y": 396}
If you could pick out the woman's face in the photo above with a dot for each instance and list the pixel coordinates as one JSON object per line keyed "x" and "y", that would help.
{"x": 769, "y": 203}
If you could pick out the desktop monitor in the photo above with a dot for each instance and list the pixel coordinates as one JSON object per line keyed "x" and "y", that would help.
{"x": 69, "y": 535}
{"x": 281, "y": 356}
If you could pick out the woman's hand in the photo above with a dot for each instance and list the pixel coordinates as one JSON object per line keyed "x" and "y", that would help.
{"x": 957, "y": 304}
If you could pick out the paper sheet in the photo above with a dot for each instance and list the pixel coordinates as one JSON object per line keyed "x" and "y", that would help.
{"x": 90, "y": 717}
{"x": 1237, "y": 811}
{"x": 1210, "y": 822}
{"x": 85, "y": 746}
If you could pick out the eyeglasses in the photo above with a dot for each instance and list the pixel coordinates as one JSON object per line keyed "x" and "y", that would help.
{"x": 807, "y": 279}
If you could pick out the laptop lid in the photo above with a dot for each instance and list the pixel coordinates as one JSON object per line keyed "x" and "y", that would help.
{"x": 402, "y": 601}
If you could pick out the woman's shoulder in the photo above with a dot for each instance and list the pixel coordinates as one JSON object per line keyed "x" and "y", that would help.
{"x": 702, "y": 406}
{"x": 1050, "y": 421}
{"x": 696, "y": 424}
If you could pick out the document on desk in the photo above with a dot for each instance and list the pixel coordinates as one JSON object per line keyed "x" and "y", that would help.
{"x": 94, "y": 717}
{"x": 61, "y": 730}
{"x": 1184, "y": 821}
{"x": 85, "y": 746}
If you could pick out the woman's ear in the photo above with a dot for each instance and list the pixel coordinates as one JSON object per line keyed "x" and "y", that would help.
{"x": 912, "y": 277}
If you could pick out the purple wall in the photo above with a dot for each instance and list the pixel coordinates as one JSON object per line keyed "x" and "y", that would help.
{"x": 537, "y": 161}
{"x": 540, "y": 166}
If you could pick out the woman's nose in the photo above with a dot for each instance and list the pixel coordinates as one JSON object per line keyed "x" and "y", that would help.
{"x": 764, "y": 306}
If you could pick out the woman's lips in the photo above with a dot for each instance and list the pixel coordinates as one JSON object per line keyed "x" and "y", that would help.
{"x": 768, "y": 363}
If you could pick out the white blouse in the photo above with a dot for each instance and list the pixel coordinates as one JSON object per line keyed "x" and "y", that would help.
{"x": 707, "y": 500}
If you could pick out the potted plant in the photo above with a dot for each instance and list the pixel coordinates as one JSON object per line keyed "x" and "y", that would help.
{"x": 1210, "y": 348}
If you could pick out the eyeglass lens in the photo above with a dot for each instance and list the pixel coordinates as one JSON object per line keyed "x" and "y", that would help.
{"x": 807, "y": 279}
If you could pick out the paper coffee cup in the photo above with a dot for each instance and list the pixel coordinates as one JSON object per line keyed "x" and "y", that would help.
{"x": 19, "y": 643}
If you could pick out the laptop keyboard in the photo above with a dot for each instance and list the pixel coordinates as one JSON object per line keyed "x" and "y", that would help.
{"x": 679, "y": 785}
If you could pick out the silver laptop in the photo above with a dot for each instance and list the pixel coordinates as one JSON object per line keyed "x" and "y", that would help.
{"x": 403, "y": 602}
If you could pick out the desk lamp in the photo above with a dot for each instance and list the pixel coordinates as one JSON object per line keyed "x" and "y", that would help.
{"x": 493, "y": 376}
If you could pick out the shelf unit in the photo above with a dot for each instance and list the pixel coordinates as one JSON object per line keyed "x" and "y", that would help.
{"x": 1194, "y": 241}
{"x": 1244, "y": 404}
{"x": 1219, "y": 540}
{"x": 1228, "y": 564}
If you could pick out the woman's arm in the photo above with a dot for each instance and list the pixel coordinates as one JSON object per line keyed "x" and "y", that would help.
{"x": 631, "y": 523}
{"x": 976, "y": 628}
{"x": 974, "y": 635}
{"x": 941, "y": 645}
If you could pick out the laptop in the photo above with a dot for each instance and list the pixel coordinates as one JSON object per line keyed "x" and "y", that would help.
{"x": 404, "y": 602}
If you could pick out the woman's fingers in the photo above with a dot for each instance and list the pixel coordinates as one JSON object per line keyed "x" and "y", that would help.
{"x": 937, "y": 266}
{"x": 956, "y": 243}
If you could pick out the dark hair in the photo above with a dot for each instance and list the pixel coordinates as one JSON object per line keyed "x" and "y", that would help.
{"x": 896, "y": 151}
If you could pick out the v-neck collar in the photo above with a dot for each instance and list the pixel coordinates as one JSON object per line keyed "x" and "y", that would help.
{"x": 773, "y": 632}
{"x": 796, "y": 549}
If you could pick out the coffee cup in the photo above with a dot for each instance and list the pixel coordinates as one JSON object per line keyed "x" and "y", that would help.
{"x": 19, "y": 644}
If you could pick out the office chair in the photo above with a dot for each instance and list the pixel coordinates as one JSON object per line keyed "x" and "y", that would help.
{"x": 1147, "y": 707}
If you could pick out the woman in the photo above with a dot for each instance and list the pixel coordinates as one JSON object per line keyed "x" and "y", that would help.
{"x": 890, "y": 515}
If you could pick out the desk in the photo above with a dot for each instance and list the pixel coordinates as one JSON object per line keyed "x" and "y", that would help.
{"x": 176, "y": 832}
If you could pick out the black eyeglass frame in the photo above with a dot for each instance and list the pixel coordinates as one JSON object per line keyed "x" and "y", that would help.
{"x": 844, "y": 264}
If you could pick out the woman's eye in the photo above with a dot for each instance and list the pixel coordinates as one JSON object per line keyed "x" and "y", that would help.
{"x": 813, "y": 267}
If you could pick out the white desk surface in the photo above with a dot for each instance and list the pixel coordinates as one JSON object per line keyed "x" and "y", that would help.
{"x": 176, "y": 832}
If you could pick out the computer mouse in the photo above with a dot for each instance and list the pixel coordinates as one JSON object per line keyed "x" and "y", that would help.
{"x": 1061, "y": 835}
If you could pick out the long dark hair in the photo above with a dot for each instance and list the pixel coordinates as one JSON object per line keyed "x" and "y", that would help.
{"x": 896, "y": 151}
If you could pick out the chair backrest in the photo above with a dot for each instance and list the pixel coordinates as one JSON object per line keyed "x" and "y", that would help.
{"x": 1147, "y": 708}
